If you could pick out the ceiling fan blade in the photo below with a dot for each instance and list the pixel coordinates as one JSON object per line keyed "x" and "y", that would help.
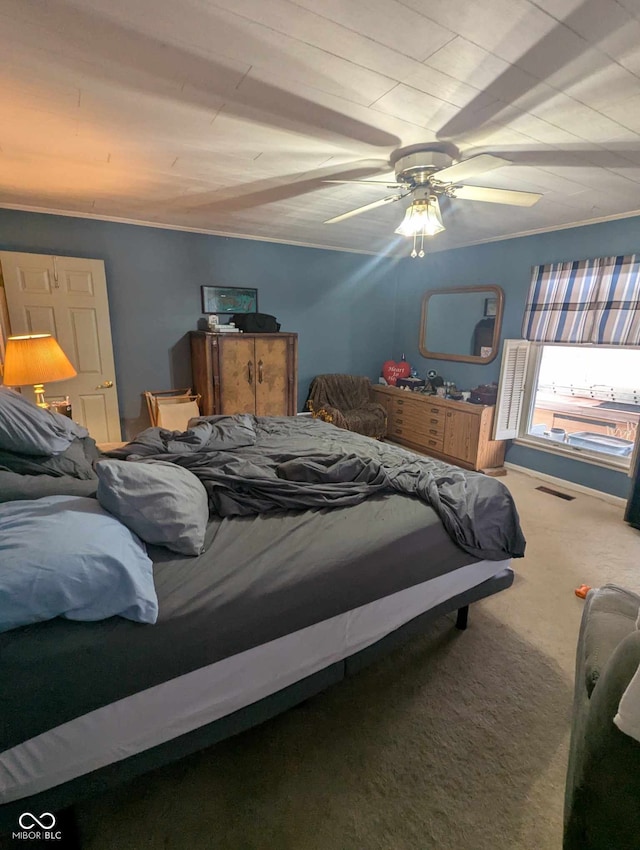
{"x": 388, "y": 200}
{"x": 496, "y": 196}
{"x": 469, "y": 168}
{"x": 368, "y": 183}
{"x": 257, "y": 192}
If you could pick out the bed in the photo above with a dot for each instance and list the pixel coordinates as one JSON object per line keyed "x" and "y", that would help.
{"x": 323, "y": 550}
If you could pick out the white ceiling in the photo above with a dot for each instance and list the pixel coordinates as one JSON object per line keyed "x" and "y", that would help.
{"x": 225, "y": 115}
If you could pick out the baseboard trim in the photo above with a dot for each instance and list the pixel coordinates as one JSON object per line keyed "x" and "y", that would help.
{"x": 568, "y": 485}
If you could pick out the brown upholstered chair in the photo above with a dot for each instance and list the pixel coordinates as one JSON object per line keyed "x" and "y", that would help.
{"x": 344, "y": 401}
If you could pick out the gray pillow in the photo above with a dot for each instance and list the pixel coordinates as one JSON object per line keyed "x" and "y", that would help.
{"x": 28, "y": 429}
{"x": 160, "y": 501}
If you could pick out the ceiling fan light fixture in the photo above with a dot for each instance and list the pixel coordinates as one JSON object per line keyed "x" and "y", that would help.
{"x": 422, "y": 218}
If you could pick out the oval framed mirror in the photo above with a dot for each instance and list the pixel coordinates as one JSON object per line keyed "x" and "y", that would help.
{"x": 462, "y": 323}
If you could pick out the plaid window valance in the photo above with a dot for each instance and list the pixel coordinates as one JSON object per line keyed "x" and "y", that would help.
{"x": 586, "y": 301}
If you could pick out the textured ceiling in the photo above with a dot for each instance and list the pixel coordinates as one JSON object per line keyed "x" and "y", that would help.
{"x": 226, "y": 115}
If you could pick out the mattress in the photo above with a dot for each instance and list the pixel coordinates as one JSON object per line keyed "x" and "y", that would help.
{"x": 260, "y": 578}
{"x": 163, "y": 712}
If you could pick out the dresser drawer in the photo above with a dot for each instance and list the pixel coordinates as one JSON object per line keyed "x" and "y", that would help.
{"x": 418, "y": 412}
{"x": 433, "y": 411}
{"x": 407, "y": 405}
{"x": 417, "y": 425}
{"x": 417, "y": 437}
{"x": 425, "y": 411}
{"x": 435, "y": 443}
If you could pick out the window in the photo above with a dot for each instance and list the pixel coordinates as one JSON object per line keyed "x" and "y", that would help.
{"x": 581, "y": 400}
{"x": 571, "y": 382}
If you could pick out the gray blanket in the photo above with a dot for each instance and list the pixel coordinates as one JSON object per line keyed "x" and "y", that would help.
{"x": 252, "y": 465}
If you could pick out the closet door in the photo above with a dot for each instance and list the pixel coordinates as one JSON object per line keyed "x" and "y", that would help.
{"x": 237, "y": 374}
{"x": 272, "y": 383}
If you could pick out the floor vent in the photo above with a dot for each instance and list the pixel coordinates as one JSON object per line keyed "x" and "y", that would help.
{"x": 557, "y": 493}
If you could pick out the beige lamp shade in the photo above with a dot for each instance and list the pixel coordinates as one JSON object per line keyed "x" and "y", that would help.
{"x": 35, "y": 359}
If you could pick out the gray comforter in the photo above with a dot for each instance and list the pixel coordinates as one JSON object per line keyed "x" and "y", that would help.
{"x": 252, "y": 465}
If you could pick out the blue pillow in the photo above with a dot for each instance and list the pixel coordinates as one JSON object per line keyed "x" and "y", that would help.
{"x": 64, "y": 556}
{"x": 28, "y": 429}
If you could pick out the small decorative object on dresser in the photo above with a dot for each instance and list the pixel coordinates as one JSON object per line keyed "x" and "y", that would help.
{"x": 412, "y": 382}
{"x": 455, "y": 431}
{"x": 391, "y": 371}
{"x": 484, "y": 394}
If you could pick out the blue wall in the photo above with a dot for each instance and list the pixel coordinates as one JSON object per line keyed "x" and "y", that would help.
{"x": 351, "y": 311}
{"x": 508, "y": 264}
{"x": 340, "y": 304}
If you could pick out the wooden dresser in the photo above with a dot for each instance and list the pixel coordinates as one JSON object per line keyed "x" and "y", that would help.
{"x": 455, "y": 431}
{"x": 245, "y": 373}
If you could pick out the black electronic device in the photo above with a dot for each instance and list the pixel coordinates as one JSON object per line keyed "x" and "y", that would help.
{"x": 256, "y": 323}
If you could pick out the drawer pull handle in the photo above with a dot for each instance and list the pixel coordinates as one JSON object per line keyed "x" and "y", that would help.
{"x": 400, "y": 400}
{"x": 399, "y": 421}
{"x": 398, "y": 430}
{"x": 434, "y": 421}
{"x": 435, "y": 410}
{"x": 433, "y": 431}
{"x": 432, "y": 442}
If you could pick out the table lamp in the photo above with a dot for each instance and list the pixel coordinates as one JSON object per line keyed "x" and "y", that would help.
{"x": 35, "y": 359}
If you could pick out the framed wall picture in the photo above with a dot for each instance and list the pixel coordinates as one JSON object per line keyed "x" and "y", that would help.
{"x": 229, "y": 299}
{"x": 490, "y": 306}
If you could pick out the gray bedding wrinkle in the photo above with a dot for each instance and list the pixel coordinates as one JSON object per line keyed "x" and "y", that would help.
{"x": 296, "y": 464}
{"x": 204, "y": 434}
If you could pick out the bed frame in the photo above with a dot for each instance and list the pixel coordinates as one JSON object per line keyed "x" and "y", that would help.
{"x": 62, "y": 798}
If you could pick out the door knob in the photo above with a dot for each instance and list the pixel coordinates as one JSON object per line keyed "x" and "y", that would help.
{"x": 105, "y": 385}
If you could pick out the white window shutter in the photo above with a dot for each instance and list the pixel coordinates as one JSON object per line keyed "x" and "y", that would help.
{"x": 513, "y": 374}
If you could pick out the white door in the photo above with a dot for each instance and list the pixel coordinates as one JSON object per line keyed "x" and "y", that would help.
{"x": 67, "y": 297}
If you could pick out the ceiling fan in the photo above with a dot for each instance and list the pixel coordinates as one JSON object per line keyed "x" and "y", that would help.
{"x": 426, "y": 173}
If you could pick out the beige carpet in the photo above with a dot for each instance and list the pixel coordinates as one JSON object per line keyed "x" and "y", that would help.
{"x": 457, "y": 741}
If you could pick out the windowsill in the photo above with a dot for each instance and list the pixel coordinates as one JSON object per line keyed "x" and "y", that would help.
{"x": 581, "y": 455}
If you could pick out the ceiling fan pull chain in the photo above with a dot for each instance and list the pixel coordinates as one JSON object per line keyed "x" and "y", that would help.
{"x": 421, "y": 253}
{"x": 414, "y": 253}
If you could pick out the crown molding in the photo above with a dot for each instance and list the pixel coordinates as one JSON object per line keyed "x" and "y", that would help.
{"x": 392, "y": 253}
{"x": 204, "y": 231}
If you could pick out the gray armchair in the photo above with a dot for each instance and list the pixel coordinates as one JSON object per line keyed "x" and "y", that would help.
{"x": 602, "y": 800}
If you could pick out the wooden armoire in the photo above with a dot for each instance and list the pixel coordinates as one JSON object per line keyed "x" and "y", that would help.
{"x": 245, "y": 373}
